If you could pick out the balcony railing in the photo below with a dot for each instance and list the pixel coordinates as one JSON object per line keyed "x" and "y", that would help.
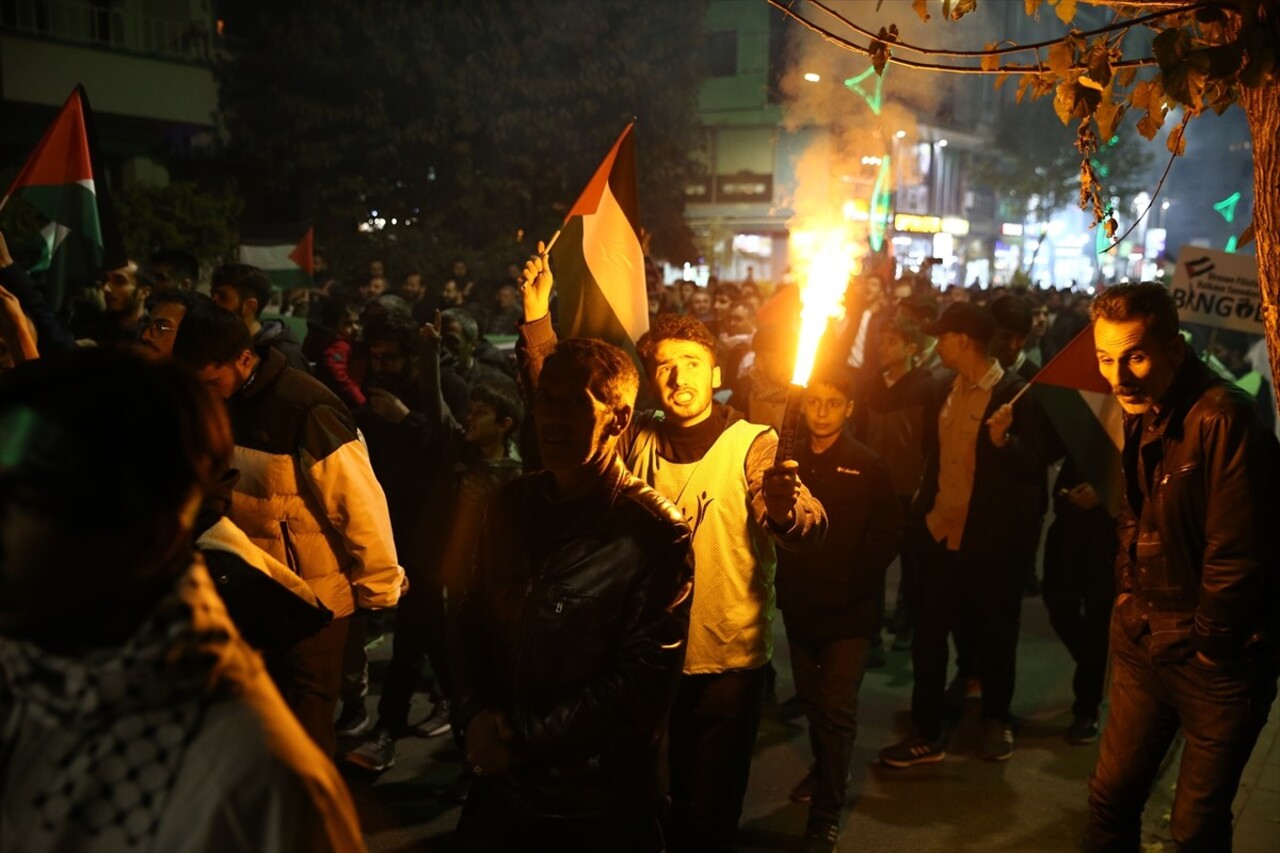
{"x": 100, "y": 25}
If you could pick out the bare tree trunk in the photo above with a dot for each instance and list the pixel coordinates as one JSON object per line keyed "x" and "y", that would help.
{"x": 1262, "y": 105}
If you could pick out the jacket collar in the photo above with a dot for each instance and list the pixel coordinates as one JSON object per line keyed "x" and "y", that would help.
{"x": 1189, "y": 383}
{"x": 270, "y": 365}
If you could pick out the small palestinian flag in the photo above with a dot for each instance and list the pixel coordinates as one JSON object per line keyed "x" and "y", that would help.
{"x": 1087, "y": 417}
{"x": 58, "y": 180}
{"x": 285, "y": 254}
{"x": 599, "y": 265}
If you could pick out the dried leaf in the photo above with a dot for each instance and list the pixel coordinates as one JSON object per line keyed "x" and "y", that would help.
{"x": 1126, "y": 77}
{"x": 1061, "y": 57}
{"x": 1099, "y": 62}
{"x": 921, "y": 8}
{"x": 1088, "y": 82}
{"x": 990, "y": 63}
{"x": 1001, "y": 79}
{"x": 1032, "y": 8}
{"x": 960, "y": 8}
{"x": 1108, "y": 116}
{"x": 1178, "y": 141}
{"x": 1148, "y": 127}
{"x": 1023, "y": 83}
{"x": 1064, "y": 103}
{"x": 1066, "y": 10}
{"x": 946, "y": 9}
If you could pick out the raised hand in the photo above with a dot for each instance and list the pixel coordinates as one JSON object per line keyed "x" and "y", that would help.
{"x": 536, "y": 283}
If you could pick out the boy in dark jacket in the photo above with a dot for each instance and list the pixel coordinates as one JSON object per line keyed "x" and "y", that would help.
{"x": 828, "y": 597}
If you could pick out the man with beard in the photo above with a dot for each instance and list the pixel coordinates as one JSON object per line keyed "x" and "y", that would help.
{"x": 244, "y": 290}
{"x": 438, "y": 476}
{"x": 571, "y": 630}
{"x": 720, "y": 471}
{"x": 1196, "y": 619}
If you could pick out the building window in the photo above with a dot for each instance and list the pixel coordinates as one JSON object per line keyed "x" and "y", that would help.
{"x": 721, "y": 53}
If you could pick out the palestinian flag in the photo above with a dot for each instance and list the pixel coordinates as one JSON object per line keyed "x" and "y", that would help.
{"x": 1087, "y": 417}
{"x": 599, "y": 265}
{"x": 58, "y": 180}
{"x": 285, "y": 254}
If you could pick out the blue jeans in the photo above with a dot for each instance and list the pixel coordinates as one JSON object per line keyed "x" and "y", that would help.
{"x": 1220, "y": 711}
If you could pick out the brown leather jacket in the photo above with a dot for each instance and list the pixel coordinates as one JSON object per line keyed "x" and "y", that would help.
{"x": 1200, "y": 483}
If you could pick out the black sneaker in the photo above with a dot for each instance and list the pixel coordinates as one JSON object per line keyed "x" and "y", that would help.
{"x": 997, "y": 741}
{"x": 436, "y": 723}
{"x": 912, "y": 751}
{"x": 376, "y": 754}
{"x": 353, "y": 720}
{"x": 820, "y": 836}
{"x": 1083, "y": 730}
{"x": 804, "y": 789}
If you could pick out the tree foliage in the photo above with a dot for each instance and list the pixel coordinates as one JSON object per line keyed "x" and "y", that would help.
{"x": 475, "y": 123}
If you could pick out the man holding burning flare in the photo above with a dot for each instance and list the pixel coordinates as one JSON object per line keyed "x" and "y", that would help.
{"x": 720, "y": 472}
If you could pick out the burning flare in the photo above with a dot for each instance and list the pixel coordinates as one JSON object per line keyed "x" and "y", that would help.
{"x": 827, "y": 258}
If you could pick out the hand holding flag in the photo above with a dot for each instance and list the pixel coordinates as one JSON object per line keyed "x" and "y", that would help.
{"x": 536, "y": 284}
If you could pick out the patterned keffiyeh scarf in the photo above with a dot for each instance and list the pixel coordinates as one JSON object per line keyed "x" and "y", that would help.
{"x": 134, "y": 710}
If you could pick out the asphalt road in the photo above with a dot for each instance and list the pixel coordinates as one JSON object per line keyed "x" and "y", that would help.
{"x": 1034, "y": 802}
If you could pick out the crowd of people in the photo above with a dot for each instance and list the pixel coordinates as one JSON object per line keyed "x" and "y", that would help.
{"x": 207, "y": 515}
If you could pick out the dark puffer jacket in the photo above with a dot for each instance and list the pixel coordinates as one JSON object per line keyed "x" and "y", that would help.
{"x": 1196, "y": 556}
{"x": 574, "y": 626}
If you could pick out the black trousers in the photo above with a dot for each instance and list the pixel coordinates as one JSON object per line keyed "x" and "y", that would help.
{"x": 421, "y": 634}
{"x": 309, "y": 676}
{"x": 713, "y": 732}
{"x": 1221, "y": 712}
{"x": 980, "y": 598}
{"x": 490, "y": 822}
{"x": 828, "y": 675}
{"x": 1079, "y": 589}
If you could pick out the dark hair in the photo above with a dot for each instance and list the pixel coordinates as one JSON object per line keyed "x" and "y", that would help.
{"x": 921, "y": 307}
{"x": 1012, "y": 313}
{"x": 390, "y": 327}
{"x": 188, "y": 299}
{"x": 1147, "y": 301}
{"x": 330, "y": 313}
{"x": 907, "y": 329}
{"x": 614, "y": 379}
{"x": 838, "y": 376}
{"x": 112, "y": 432}
{"x": 730, "y": 289}
{"x": 673, "y": 327}
{"x": 182, "y": 261}
{"x": 464, "y": 319}
{"x": 505, "y": 402}
{"x": 386, "y": 305}
{"x": 248, "y": 281}
{"x": 210, "y": 335}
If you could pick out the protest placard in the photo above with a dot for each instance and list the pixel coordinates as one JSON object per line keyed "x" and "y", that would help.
{"x": 1218, "y": 289}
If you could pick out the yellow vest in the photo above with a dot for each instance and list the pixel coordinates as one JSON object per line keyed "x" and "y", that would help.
{"x": 734, "y": 561}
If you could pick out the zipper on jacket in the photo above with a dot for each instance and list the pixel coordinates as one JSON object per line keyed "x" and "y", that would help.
{"x": 524, "y": 624}
{"x": 290, "y": 553}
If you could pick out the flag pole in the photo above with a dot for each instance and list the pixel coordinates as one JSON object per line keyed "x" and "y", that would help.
{"x": 551, "y": 242}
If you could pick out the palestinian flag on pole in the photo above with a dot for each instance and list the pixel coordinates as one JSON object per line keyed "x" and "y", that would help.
{"x": 59, "y": 181}
{"x": 599, "y": 265}
{"x": 1086, "y": 416}
{"x": 285, "y": 254}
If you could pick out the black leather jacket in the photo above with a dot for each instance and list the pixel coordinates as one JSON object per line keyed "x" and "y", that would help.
{"x": 1195, "y": 555}
{"x": 574, "y": 626}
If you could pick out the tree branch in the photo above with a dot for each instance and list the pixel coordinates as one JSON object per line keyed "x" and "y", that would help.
{"x": 977, "y": 54}
{"x": 845, "y": 44}
{"x": 1180, "y": 130}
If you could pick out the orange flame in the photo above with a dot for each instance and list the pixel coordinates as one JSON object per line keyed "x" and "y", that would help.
{"x": 826, "y": 260}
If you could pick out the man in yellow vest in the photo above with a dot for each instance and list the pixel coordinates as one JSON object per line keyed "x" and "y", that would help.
{"x": 719, "y": 470}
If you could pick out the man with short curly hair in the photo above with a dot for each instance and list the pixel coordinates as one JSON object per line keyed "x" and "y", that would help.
{"x": 719, "y": 471}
